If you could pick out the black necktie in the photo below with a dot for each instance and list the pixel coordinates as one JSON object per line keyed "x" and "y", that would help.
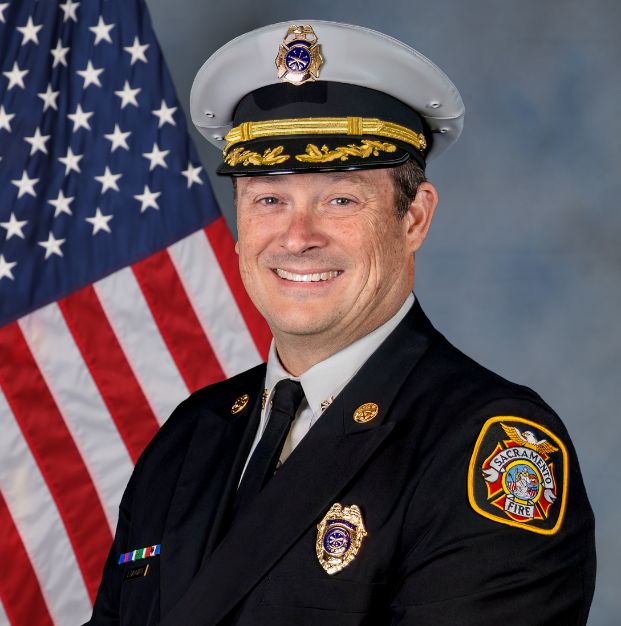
{"x": 288, "y": 395}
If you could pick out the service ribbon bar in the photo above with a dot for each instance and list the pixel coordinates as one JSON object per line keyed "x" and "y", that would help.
{"x": 141, "y": 553}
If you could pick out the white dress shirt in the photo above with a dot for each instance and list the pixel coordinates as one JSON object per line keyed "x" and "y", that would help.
{"x": 322, "y": 382}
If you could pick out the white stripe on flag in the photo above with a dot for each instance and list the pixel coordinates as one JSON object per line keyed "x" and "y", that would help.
{"x": 4, "y": 620}
{"x": 214, "y": 304}
{"x": 36, "y": 517}
{"x": 80, "y": 403}
{"x": 133, "y": 324}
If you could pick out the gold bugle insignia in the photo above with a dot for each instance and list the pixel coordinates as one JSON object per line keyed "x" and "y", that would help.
{"x": 339, "y": 537}
{"x": 366, "y": 412}
{"x": 240, "y": 404}
{"x": 326, "y": 403}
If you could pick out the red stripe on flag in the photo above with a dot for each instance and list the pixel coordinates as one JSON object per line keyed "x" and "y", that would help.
{"x": 177, "y": 322}
{"x": 222, "y": 244}
{"x": 19, "y": 588}
{"x": 56, "y": 455}
{"x": 110, "y": 369}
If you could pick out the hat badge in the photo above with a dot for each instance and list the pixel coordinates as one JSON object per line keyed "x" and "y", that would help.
{"x": 339, "y": 537}
{"x": 299, "y": 59}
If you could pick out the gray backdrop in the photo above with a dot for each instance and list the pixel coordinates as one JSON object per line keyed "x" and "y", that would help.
{"x": 522, "y": 266}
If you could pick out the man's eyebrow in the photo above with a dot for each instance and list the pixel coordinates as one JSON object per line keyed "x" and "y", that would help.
{"x": 350, "y": 175}
{"x": 258, "y": 180}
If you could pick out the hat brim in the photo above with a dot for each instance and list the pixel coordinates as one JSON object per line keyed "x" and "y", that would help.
{"x": 291, "y": 155}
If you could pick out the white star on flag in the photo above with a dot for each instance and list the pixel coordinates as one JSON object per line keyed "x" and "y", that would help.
{"x": 165, "y": 115}
{"x": 148, "y": 199}
{"x": 37, "y": 142}
{"x": 137, "y": 50}
{"x": 61, "y": 204}
{"x": 90, "y": 75}
{"x": 156, "y": 157}
{"x": 29, "y": 32}
{"x": 128, "y": 95}
{"x": 118, "y": 138}
{"x": 102, "y": 31}
{"x": 108, "y": 180}
{"x": 16, "y": 76}
{"x": 193, "y": 174}
{"x": 52, "y": 246}
{"x": 26, "y": 185}
{"x": 99, "y": 221}
{"x": 69, "y": 8}
{"x": 14, "y": 227}
{"x": 3, "y": 6}
{"x": 71, "y": 161}
{"x": 49, "y": 98}
{"x": 5, "y": 119}
{"x": 80, "y": 119}
{"x": 60, "y": 54}
{"x": 6, "y": 267}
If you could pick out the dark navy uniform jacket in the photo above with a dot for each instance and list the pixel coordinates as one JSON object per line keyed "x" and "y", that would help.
{"x": 429, "y": 558}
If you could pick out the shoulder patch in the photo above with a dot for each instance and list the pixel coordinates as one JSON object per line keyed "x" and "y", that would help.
{"x": 518, "y": 475}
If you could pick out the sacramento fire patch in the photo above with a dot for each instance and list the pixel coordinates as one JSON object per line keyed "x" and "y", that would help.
{"x": 518, "y": 475}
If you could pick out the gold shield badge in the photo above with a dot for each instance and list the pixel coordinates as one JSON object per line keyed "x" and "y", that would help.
{"x": 339, "y": 537}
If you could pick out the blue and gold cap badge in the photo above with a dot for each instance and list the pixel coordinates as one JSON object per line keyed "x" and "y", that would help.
{"x": 299, "y": 59}
{"x": 339, "y": 537}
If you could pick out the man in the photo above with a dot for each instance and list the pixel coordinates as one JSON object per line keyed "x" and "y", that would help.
{"x": 371, "y": 474}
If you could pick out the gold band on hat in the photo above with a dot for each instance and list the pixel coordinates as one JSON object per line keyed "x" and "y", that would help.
{"x": 323, "y": 126}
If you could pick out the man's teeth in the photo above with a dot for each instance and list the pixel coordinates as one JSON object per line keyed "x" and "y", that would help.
{"x": 307, "y": 278}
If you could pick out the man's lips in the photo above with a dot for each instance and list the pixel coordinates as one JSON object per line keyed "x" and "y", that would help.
{"x": 310, "y": 277}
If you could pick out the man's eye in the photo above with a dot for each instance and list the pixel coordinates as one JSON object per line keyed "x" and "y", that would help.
{"x": 341, "y": 201}
{"x": 268, "y": 200}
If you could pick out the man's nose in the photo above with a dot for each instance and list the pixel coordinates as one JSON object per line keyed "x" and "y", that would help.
{"x": 302, "y": 231}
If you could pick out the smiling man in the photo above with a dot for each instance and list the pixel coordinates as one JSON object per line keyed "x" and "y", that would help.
{"x": 326, "y": 257}
{"x": 370, "y": 473}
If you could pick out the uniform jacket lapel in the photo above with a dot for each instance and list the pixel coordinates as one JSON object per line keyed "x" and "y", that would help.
{"x": 327, "y": 459}
{"x": 206, "y": 485}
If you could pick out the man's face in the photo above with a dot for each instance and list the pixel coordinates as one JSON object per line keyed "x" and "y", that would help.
{"x": 324, "y": 255}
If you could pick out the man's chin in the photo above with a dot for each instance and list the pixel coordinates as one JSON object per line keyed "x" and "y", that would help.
{"x": 299, "y": 325}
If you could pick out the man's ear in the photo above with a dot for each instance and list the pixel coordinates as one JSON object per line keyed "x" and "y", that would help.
{"x": 419, "y": 215}
{"x": 237, "y": 247}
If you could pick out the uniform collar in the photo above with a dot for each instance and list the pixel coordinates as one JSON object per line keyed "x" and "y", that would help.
{"x": 325, "y": 380}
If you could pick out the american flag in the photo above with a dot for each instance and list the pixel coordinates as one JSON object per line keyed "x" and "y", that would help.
{"x": 119, "y": 288}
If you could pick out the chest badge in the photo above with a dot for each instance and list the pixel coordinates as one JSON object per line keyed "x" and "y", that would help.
{"x": 339, "y": 537}
{"x": 518, "y": 475}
